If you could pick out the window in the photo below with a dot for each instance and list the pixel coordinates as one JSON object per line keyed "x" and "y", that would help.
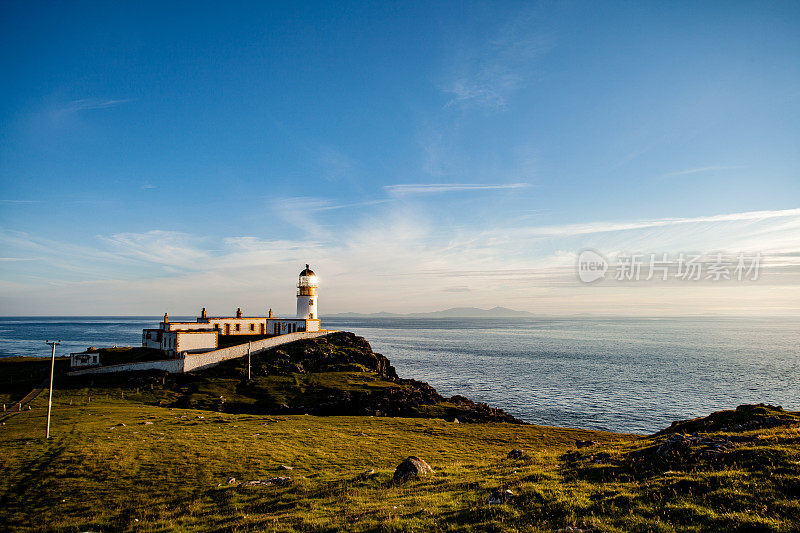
{"x": 252, "y": 327}
{"x": 216, "y": 326}
{"x": 238, "y": 327}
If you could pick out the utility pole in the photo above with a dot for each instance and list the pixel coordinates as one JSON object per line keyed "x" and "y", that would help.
{"x": 248, "y": 360}
{"x": 53, "y": 344}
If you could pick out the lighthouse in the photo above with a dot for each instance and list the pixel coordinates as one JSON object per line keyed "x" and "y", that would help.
{"x": 307, "y": 295}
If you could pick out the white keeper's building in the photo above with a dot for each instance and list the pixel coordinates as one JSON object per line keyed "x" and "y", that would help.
{"x": 179, "y": 338}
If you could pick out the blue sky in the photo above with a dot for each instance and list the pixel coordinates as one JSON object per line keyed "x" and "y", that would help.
{"x": 168, "y": 156}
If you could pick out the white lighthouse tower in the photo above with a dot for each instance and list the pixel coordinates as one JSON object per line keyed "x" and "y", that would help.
{"x": 307, "y": 295}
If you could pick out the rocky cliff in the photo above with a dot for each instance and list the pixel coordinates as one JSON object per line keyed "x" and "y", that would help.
{"x": 338, "y": 374}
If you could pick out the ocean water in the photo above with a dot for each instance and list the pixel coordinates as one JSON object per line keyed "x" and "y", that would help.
{"x": 620, "y": 374}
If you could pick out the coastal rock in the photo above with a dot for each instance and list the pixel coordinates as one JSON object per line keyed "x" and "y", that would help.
{"x": 679, "y": 446}
{"x": 367, "y": 473}
{"x": 500, "y": 496}
{"x": 746, "y": 417}
{"x": 326, "y": 357}
{"x": 410, "y": 468}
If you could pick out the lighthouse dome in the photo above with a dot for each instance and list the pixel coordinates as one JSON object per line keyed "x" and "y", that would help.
{"x": 307, "y": 272}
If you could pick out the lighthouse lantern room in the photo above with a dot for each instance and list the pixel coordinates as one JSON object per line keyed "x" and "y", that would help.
{"x": 307, "y": 294}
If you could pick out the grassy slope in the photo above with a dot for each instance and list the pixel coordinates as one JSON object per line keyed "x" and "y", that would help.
{"x": 742, "y": 474}
{"x": 165, "y": 475}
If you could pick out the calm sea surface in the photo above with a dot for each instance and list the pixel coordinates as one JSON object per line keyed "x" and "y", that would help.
{"x": 619, "y": 374}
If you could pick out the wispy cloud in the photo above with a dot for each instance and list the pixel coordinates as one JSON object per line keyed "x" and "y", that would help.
{"x": 94, "y": 103}
{"x": 163, "y": 247}
{"x": 487, "y": 73}
{"x": 603, "y": 227}
{"x": 69, "y": 114}
{"x": 698, "y": 170}
{"x": 311, "y": 204}
{"x": 435, "y": 188}
{"x": 20, "y": 201}
{"x": 426, "y": 264}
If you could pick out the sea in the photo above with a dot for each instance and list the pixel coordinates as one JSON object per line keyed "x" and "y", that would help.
{"x": 620, "y": 374}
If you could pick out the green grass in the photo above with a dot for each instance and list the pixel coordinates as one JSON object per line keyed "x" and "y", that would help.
{"x": 148, "y": 452}
{"x": 165, "y": 476}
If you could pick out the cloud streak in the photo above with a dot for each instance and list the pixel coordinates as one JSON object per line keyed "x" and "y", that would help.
{"x": 402, "y": 189}
{"x": 604, "y": 227}
{"x": 402, "y": 260}
{"x": 85, "y": 104}
{"x": 698, "y": 170}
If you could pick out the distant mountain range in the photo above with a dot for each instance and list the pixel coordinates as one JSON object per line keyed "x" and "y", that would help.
{"x": 453, "y": 312}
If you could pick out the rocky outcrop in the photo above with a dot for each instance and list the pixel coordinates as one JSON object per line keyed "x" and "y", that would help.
{"x": 412, "y": 467}
{"x": 746, "y": 417}
{"x": 338, "y": 374}
{"x": 343, "y": 351}
{"x": 340, "y": 351}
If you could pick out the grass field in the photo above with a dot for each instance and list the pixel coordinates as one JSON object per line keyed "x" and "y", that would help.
{"x": 165, "y": 475}
{"x": 166, "y": 469}
{"x": 154, "y": 452}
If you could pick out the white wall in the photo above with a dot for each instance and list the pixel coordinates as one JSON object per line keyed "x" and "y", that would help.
{"x": 243, "y": 323}
{"x": 307, "y": 306}
{"x": 207, "y": 360}
{"x": 168, "y": 365}
{"x": 286, "y": 325}
{"x": 201, "y": 361}
{"x": 195, "y": 341}
{"x": 187, "y": 326}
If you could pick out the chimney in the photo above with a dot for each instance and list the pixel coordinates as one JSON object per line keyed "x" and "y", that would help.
{"x": 270, "y": 312}
{"x": 238, "y": 312}
{"x": 166, "y": 318}
{"x": 203, "y": 313}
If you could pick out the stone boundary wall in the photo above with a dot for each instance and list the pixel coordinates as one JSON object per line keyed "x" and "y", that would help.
{"x": 201, "y": 361}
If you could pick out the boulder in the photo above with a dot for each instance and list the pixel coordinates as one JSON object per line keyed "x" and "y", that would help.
{"x": 500, "y": 496}
{"x": 584, "y": 443}
{"x": 410, "y": 468}
{"x": 516, "y": 454}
